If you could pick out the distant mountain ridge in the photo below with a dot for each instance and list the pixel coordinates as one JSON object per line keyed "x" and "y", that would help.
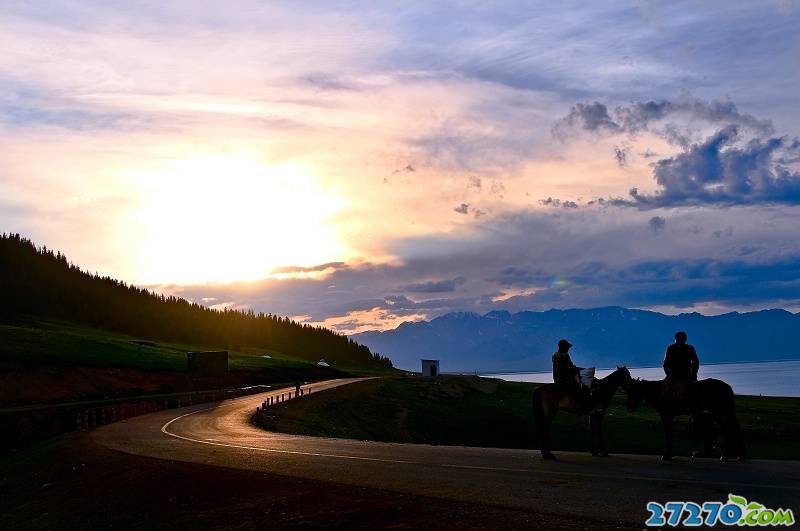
{"x": 603, "y": 337}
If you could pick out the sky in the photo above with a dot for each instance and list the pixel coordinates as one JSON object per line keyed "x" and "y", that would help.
{"x": 361, "y": 164}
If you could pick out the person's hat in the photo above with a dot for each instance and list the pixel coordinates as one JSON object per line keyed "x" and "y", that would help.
{"x": 564, "y": 344}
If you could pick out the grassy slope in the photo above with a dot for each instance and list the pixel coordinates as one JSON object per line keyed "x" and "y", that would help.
{"x": 55, "y": 361}
{"x": 56, "y": 342}
{"x": 486, "y": 412}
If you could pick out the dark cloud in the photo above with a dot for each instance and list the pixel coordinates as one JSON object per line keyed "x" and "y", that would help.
{"x": 474, "y": 183}
{"x": 518, "y": 276}
{"x": 463, "y": 208}
{"x": 434, "y": 286}
{"x": 596, "y": 117}
{"x": 311, "y": 269}
{"x": 657, "y": 223}
{"x": 721, "y": 171}
{"x": 621, "y": 154}
{"x": 558, "y": 203}
{"x": 586, "y": 116}
{"x": 407, "y": 169}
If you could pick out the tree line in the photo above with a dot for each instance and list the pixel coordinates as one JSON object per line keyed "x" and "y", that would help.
{"x": 39, "y": 282}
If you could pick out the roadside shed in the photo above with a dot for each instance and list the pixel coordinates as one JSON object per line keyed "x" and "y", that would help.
{"x": 430, "y": 368}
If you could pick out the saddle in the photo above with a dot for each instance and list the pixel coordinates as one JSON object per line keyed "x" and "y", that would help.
{"x": 679, "y": 393}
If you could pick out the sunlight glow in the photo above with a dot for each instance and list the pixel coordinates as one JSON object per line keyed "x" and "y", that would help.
{"x": 223, "y": 218}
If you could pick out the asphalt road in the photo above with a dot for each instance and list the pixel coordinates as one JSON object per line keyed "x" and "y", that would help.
{"x": 613, "y": 489}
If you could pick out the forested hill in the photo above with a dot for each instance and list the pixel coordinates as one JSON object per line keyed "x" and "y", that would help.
{"x": 42, "y": 283}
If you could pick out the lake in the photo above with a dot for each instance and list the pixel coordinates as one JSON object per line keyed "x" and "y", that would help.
{"x": 768, "y": 378}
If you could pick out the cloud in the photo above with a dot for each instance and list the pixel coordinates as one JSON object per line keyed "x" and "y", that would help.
{"x": 741, "y": 163}
{"x": 311, "y": 269}
{"x": 558, "y": 203}
{"x": 657, "y": 223}
{"x": 596, "y": 117}
{"x": 463, "y": 208}
{"x": 621, "y": 154}
{"x": 538, "y": 259}
{"x": 721, "y": 171}
{"x": 434, "y": 286}
{"x": 592, "y": 117}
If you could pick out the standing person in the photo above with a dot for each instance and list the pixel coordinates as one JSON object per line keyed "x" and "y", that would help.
{"x": 297, "y": 390}
{"x": 680, "y": 366}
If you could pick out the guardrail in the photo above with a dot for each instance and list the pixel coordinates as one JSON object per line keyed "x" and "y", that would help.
{"x": 263, "y": 412}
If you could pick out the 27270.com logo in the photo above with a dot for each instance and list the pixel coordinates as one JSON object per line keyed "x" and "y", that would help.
{"x": 737, "y": 511}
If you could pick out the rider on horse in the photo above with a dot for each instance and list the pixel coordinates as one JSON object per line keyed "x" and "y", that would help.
{"x": 680, "y": 366}
{"x": 567, "y": 374}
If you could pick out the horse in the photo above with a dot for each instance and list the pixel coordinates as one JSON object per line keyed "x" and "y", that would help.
{"x": 548, "y": 399}
{"x": 710, "y": 395}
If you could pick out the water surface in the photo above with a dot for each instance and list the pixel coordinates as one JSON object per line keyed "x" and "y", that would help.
{"x": 768, "y": 378}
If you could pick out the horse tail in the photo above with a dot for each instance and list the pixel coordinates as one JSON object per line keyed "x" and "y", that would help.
{"x": 736, "y": 430}
{"x": 732, "y": 429}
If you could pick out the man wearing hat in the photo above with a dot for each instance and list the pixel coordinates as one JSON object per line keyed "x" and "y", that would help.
{"x": 566, "y": 373}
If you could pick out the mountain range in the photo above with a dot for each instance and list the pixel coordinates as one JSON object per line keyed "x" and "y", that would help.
{"x": 602, "y": 337}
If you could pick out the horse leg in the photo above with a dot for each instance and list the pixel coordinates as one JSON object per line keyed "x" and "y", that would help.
{"x": 543, "y": 420}
{"x": 732, "y": 438}
{"x": 710, "y": 435}
{"x": 544, "y": 435}
{"x": 702, "y": 432}
{"x": 666, "y": 421}
{"x": 600, "y": 440}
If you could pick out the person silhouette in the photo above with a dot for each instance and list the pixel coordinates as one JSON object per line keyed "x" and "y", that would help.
{"x": 680, "y": 366}
{"x": 680, "y": 361}
{"x": 564, "y": 371}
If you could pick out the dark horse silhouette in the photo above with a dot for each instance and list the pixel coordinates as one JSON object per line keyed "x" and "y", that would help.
{"x": 705, "y": 397}
{"x": 548, "y": 399}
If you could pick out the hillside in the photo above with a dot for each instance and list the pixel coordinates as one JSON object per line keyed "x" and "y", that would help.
{"x": 54, "y": 361}
{"x": 605, "y": 337}
{"x": 39, "y": 283}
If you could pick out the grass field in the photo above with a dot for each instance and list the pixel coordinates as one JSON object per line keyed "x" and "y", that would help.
{"x": 473, "y": 411}
{"x": 61, "y": 343}
{"x": 54, "y": 361}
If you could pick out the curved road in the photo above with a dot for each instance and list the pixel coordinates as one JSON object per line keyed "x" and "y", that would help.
{"x": 613, "y": 489}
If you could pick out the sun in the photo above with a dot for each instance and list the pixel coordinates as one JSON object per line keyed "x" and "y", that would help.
{"x": 225, "y": 218}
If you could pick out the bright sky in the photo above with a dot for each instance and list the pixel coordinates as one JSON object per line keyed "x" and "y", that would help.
{"x": 363, "y": 164}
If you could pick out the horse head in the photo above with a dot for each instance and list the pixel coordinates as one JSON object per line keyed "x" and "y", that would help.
{"x": 622, "y": 377}
{"x": 626, "y": 376}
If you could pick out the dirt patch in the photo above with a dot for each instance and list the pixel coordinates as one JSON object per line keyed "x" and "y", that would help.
{"x": 72, "y": 483}
{"x": 29, "y": 384}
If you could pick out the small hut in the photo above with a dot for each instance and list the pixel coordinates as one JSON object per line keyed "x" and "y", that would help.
{"x": 430, "y": 368}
